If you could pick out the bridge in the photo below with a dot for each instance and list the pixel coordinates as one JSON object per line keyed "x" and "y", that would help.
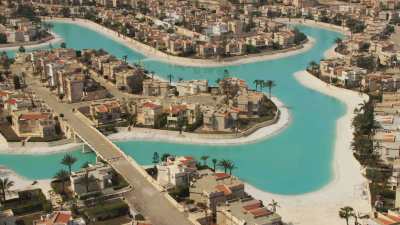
{"x": 147, "y": 196}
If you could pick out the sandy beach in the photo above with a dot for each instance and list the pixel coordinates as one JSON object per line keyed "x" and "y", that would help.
{"x": 182, "y": 61}
{"x": 40, "y": 149}
{"x": 331, "y": 53}
{"x": 191, "y": 138}
{"x": 347, "y": 188}
{"x": 312, "y": 23}
{"x": 22, "y": 183}
{"x": 55, "y": 40}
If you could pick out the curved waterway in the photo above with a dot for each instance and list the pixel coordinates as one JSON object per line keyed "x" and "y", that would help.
{"x": 296, "y": 161}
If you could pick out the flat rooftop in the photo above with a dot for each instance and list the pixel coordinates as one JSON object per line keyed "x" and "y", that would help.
{"x": 209, "y": 182}
{"x": 253, "y": 212}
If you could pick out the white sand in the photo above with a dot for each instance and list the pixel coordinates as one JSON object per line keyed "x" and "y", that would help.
{"x": 312, "y": 23}
{"x": 348, "y": 188}
{"x": 191, "y": 138}
{"x": 41, "y": 149}
{"x": 331, "y": 53}
{"x": 21, "y": 183}
{"x": 182, "y": 61}
{"x": 55, "y": 40}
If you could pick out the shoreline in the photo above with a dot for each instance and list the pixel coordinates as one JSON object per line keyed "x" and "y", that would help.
{"x": 41, "y": 150}
{"x": 56, "y": 39}
{"x": 23, "y": 183}
{"x": 316, "y": 24}
{"x": 347, "y": 188}
{"x": 151, "y": 53}
{"x": 331, "y": 53}
{"x": 146, "y": 134}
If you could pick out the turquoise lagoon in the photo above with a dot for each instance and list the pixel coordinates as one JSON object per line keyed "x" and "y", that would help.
{"x": 297, "y": 160}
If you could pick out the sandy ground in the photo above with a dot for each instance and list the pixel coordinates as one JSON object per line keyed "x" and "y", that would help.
{"x": 55, "y": 40}
{"x": 190, "y": 138}
{"x": 21, "y": 183}
{"x": 41, "y": 149}
{"x": 312, "y": 23}
{"x": 182, "y": 61}
{"x": 331, "y": 53}
{"x": 348, "y": 188}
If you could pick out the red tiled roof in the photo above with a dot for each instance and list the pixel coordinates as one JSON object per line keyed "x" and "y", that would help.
{"x": 177, "y": 108}
{"x": 62, "y": 218}
{"x": 102, "y": 108}
{"x": 12, "y": 101}
{"x": 395, "y": 218}
{"x": 34, "y": 116}
{"x": 224, "y": 189}
{"x": 150, "y": 105}
{"x": 4, "y": 93}
{"x": 221, "y": 176}
{"x": 252, "y": 205}
{"x": 384, "y": 222}
{"x": 259, "y": 212}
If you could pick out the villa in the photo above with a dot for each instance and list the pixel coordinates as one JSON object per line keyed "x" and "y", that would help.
{"x": 94, "y": 178}
{"x": 187, "y": 113}
{"x": 153, "y": 87}
{"x": 149, "y": 114}
{"x": 249, "y": 211}
{"x": 107, "y": 112}
{"x": 176, "y": 171}
{"x": 35, "y": 124}
{"x": 192, "y": 87}
{"x": 215, "y": 188}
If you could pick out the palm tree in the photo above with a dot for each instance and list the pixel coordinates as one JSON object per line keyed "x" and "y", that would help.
{"x": 63, "y": 45}
{"x": 231, "y": 166}
{"x": 132, "y": 120}
{"x": 312, "y": 64}
{"x": 62, "y": 176}
{"x": 258, "y": 83}
{"x": 338, "y": 41}
{"x": 68, "y": 161}
{"x": 346, "y": 213}
{"x": 226, "y": 74}
{"x": 156, "y": 158}
{"x": 170, "y": 77}
{"x": 270, "y": 84}
{"x": 125, "y": 58}
{"x": 274, "y": 204}
{"x": 5, "y": 185}
{"x": 204, "y": 158}
{"x": 21, "y": 49}
{"x": 214, "y": 162}
{"x": 224, "y": 164}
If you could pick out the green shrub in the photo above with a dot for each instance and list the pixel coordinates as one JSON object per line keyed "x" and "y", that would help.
{"x": 108, "y": 210}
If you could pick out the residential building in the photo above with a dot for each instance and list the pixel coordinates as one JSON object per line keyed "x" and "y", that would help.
{"x": 34, "y": 124}
{"x": 95, "y": 177}
{"x": 176, "y": 171}
{"x": 246, "y": 211}
{"x": 192, "y": 87}
{"x": 153, "y": 87}
{"x": 216, "y": 188}
{"x": 149, "y": 114}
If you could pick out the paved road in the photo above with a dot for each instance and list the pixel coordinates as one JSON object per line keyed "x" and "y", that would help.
{"x": 145, "y": 198}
